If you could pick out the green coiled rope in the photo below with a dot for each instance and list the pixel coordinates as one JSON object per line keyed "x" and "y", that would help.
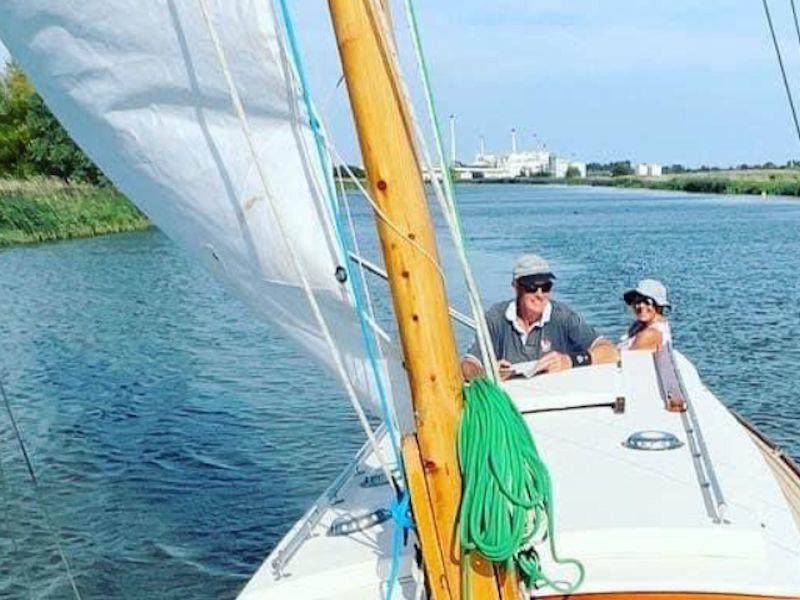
{"x": 507, "y": 500}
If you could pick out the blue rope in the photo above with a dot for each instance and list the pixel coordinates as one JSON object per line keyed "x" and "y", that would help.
{"x": 400, "y": 507}
{"x": 357, "y": 290}
{"x": 401, "y": 513}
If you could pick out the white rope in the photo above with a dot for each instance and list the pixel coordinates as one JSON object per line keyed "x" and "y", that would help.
{"x": 446, "y": 197}
{"x": 315, "y": 308}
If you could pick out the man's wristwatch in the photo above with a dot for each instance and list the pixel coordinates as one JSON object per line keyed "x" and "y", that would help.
{"x": 580, "y": 359}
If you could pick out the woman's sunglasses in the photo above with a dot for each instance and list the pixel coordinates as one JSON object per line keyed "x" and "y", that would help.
{"x": 636, "y": 300}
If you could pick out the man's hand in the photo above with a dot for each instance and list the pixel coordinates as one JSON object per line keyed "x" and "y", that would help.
{"x": 504, "y": 368}
{"x": 553, "y": 362}
{"x": 471, "y": 369}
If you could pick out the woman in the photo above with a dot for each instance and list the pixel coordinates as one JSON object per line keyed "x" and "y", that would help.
{"x": 651, "y": 329}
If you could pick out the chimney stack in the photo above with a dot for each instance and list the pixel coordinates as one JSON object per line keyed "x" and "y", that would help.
{"x": 452, "y": 140}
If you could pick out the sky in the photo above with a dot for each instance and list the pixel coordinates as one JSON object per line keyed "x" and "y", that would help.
{"x": 667, "y": 81}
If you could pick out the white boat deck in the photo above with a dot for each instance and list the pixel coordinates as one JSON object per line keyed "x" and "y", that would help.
{"x": 637, "y": 519}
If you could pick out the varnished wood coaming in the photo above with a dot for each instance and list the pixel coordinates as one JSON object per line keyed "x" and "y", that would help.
{"x": 783, "y": 467}
{"x": 665, "y": 596}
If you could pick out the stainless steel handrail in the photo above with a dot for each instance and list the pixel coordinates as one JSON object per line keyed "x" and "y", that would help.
{"x": 669, "y": 377}
{"x": 313, "y": 516}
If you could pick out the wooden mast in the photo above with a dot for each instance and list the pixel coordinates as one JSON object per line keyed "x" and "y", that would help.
{"x": 418, "y": 292}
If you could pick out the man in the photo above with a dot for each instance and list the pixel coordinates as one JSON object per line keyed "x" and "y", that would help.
{"x": 532, "y": 327}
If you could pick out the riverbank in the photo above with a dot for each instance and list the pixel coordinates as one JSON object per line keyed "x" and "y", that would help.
{"x": 45, "y": 210}
{"x": 778, "y": 182}
{"x": 773, "y": 182}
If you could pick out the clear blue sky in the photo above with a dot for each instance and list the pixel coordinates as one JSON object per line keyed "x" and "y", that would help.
{"x": 658, "y": 80}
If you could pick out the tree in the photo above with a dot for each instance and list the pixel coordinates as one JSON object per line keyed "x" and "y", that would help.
{"x": 16, "y": 93}
{"x": 342, "y": 172}
{"x": 52, "y": 152}
{"x": 621, "y": 168}
{"x": 32, "y": 141}
{"x": 573, "y": 172}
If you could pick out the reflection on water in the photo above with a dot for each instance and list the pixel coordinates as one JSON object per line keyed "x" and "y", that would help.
{"x": 171, "y": 433}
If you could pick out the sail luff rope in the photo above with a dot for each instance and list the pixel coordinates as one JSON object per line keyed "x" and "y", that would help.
{"x": 351, "y": 227}
{"x": 357, "y": 283}
{"x": 379, "y": 331}
{"x": 312, "y": 300}
{"x": 456, "y": 230}
{"x": 783, "y": 69}
{"x": 37, "y": 491}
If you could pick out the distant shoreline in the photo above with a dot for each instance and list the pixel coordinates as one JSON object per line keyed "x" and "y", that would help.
{"x": 43, "y": 210}
{"x": 776, "y": 182}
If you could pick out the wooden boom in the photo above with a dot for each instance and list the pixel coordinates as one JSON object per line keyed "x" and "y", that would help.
{"x": 418, "y": 292}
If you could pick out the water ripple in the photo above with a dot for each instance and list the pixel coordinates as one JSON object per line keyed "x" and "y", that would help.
{"x": 171, "y": 433}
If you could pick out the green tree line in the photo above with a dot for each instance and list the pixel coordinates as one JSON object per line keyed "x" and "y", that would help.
{"x": 32, "y": 142}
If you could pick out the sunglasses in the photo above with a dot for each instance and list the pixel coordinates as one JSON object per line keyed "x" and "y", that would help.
{"x": 641, "y": 300}
{"x": 535, "y": 286}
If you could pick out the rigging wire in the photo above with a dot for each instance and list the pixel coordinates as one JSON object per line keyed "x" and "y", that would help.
{"x": 445, "y": 198}
{"x": 6, "y": 517}
{"x": 780, "y": 63}
{"x": 382, "y": 215}
{"x": 293, "y": 257}
{"x": 356, "y": 283}
{"x": 400, "y": 509}
{"x": 796, "y": 24}
{"x": 450, "y": 207}
{"x": 40, "y": 501}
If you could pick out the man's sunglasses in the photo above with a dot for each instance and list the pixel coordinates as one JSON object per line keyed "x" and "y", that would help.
{"x": 535, "y": 286}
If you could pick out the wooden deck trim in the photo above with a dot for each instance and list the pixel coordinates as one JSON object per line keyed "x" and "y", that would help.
{"x": 783, "y": 467}
{"x": 664, "y": 596}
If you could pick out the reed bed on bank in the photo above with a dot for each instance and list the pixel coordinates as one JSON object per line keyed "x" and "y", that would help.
{"x": 773, "y": 183}
{"x": 44, "y": 210}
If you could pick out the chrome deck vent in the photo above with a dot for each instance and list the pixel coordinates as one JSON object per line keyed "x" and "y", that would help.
{"x": 652, "y": 440}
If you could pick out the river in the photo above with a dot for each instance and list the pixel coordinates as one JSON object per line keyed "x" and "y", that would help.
{"x": 176, "y": 440}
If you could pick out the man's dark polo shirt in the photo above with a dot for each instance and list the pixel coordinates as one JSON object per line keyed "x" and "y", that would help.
{"x": 565, "y": 331}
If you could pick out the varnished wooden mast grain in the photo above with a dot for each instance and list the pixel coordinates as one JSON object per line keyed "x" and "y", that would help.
{"x": 418, "y": 292}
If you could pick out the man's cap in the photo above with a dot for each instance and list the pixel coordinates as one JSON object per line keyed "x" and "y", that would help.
{"x": 649, "y": 288}
{"x": 532, "y": 264}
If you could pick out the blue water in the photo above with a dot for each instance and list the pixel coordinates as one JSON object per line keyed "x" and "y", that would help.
{"x": 176, "y": 441}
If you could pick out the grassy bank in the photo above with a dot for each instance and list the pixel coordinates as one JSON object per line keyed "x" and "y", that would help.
{"x": 43, "y": 210}
{"x": 783, "y": 182}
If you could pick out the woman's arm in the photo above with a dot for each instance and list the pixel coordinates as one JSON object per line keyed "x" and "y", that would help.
{"x": 647, "y": 339}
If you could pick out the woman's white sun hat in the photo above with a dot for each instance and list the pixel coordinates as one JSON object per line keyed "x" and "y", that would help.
{"x": 649, "y": 288}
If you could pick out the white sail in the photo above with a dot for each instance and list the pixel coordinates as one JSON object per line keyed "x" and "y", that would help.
{"x": 142, "y": 89}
